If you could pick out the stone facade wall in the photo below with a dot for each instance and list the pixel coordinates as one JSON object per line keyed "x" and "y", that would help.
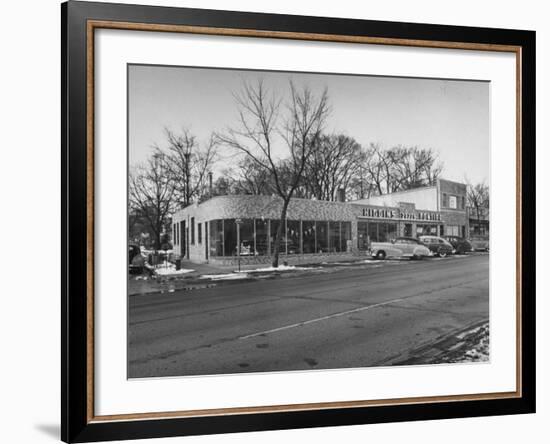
{"x": 268, "y": 207}
{"x": 294, "y": 259}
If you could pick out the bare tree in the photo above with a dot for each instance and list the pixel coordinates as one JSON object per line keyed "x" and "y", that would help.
{"x": 188, "y": 164}
{"x": 336, "y": 160}
{"x": 251, "y": 178}
{"x": 416, "y": 167}
{"x": 401, "y": 168}
{"x": 262, "y": 121}
{"x": 478, "y": 199}
{"x": 151, "y": 195}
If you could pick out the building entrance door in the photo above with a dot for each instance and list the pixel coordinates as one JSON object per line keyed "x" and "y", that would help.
{"x": 408, "y": 231}
{"x": 362, "y": 235}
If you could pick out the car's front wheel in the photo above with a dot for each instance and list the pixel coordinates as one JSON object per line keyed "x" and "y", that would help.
{"x": 442, "y": 253}
{"x": 381, "y": 255}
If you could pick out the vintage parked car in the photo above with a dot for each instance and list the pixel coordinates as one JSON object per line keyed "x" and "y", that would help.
{"x": 480, "y": 243}
{"x": 460, "y": 244}
{"x": 400, "y": 247}
{"x": 439, "y": 246}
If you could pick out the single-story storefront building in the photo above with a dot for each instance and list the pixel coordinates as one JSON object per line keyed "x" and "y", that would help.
{"x": 225, "y": 228}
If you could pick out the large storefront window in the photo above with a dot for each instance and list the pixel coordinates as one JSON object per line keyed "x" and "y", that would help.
{"x": 426, "y": 230}
{"x": 382, "y": 231}
{"x": 452, "y": 230}
{"x": 362, "y": 235}
{"x": 257, "y": 237}
{"x": 308, "y": 236}
{"x": 373, "y": 232}
{"x": 262, "y": 236}
{"x": 322, "y": 236}
{"x": 334, "y": 237}
{"x": 216, "y": 238}
{"x": 247, "y": 237}
{"x": 392, "y": 231}
{"x": 274, "y": 226}
{"x": 293, "y": 236}
{"x": 230, "y": 237}
{"x": 345, "y": 235}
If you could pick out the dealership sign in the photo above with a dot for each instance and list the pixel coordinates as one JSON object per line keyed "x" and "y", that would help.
{"x": 392, "y": 213}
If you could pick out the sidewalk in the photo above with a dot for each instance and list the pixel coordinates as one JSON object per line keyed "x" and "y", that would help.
{"x": 204, "y": 275}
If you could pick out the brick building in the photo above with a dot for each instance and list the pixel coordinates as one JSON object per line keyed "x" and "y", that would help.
{"x": 314, "y": 230}
{"x": 447, "y": 198}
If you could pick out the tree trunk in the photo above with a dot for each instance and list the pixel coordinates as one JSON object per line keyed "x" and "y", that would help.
{"x": 157, "y": 240}
{"x": 278, "y": 236}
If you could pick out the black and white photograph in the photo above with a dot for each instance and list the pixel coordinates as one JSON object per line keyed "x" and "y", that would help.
{"x": 297, "y": 221}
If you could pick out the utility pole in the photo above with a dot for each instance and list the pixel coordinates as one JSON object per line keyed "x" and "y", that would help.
{"x": 361, "y": 182}
{"x": 187, "y": 197}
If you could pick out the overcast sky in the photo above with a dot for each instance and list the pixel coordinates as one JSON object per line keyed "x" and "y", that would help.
{"x": 451, "y": 117}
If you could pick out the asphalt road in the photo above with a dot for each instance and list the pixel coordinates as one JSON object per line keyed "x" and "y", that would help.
{"x": 336, "y": 317}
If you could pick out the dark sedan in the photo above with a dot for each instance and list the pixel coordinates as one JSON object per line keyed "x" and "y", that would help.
{"x": 460, "y": 244}
{"x": 439, "y": 246}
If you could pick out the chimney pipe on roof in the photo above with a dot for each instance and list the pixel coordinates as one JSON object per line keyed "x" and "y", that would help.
{"x": 209, "y": 183}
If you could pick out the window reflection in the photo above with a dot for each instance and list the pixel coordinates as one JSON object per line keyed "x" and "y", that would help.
{"x": 334, "y": 237}
{"x": 216, "y": 238}
{"x": 293, "y": 236}
{"x": 262, "y": 235}
{"x": 257, "y": 236}
{"x": 308, "y": 236}
{"x": 246, "y": 238}
{"x": 322, "y": 237}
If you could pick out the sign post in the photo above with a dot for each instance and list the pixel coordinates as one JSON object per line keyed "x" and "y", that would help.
{"x": 238, "y": 223}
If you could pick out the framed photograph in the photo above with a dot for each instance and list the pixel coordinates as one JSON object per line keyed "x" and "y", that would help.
{"x": 275, "y": 221}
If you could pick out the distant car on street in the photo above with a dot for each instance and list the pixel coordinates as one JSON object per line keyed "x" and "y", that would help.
{"x": 480, "y": 243}
{"x": 460, "y": 244}
{"x": 400, "y": 247}
{"x": 439, "y": 246}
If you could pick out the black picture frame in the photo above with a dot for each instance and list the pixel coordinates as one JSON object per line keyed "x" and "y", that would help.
{"x": 76, "y": 423}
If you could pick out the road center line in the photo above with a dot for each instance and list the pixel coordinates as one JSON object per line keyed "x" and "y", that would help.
{"x": 323, "y": 318}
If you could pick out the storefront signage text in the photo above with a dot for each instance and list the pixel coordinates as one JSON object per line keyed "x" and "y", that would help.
{"x": 388, "y": 213}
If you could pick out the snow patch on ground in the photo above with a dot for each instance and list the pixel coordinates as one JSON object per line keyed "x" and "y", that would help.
{"x": 228, "y": 276}
{"x": 279, "y": 268}
{"x": 171, "y": 270}
{"x": 473, "y": 346}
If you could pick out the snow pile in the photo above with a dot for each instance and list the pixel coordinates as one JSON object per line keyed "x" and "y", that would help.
{"x": 171, "y": 270}
{"x": 279, "y": 268}
{"x": 478, "y": 344}
{"x": 472, "y": 346}
{"x": 228, "y": 276}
